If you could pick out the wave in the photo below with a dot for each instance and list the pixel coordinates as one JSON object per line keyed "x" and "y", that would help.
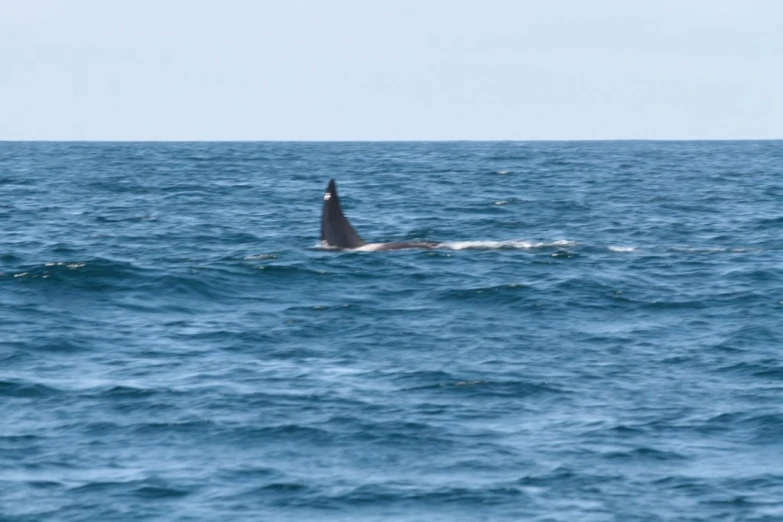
{"x": 483, "y": 388}
{"x": 96, "y": 271}
{"x": 25, "y": 389}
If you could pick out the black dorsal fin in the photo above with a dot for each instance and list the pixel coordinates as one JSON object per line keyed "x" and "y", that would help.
{"x": 336, "y": 231}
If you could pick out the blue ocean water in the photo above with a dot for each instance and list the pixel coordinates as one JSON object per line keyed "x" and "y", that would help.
{"x": 598, "y": 339}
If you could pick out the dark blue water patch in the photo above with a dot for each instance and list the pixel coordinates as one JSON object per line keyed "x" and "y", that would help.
{"x": 146, "y": 489}
{"x": 598, "y": 338}
{"x": 25, "y": 390}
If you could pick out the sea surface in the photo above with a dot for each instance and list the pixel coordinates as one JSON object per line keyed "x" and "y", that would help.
{"x": 598, "y": 339}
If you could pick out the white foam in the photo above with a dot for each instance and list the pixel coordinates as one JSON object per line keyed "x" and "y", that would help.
{"x": 469, "y": 245}
{"x": 513, "y": 244}
{"x": 622, "y": 249}
{"x": 326, "y": 246}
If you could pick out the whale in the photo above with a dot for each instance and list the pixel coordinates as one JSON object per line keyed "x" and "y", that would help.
{"x": 338, "y": 233}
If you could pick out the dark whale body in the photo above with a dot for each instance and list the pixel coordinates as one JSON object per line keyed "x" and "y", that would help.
{"x": 337, "y": 232}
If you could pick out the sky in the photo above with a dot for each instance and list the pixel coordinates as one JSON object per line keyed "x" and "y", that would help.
{"x": 390, "y": 69}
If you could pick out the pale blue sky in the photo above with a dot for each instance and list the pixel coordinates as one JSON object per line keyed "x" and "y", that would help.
{"x": 390, "y": 69}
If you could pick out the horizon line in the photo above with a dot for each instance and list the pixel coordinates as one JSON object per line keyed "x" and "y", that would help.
{"x": 502, "y": 140}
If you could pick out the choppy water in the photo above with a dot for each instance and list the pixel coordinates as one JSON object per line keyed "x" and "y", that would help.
{"x": 599, "y": 340}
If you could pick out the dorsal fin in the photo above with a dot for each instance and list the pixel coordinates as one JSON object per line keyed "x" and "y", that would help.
{"x": 336, "y": 231}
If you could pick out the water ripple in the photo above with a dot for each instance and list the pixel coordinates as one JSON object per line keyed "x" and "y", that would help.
{"x": 597, "y": 338}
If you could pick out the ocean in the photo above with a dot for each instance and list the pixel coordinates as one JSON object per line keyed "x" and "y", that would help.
{"x": 598, "y": 338}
